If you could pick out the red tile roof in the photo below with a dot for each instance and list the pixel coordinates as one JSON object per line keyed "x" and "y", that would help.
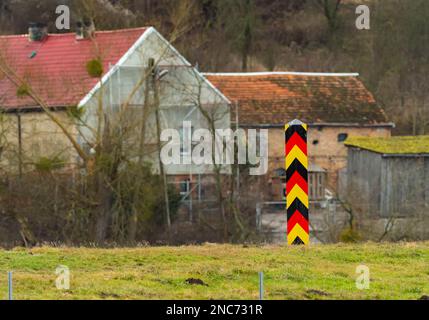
{"x": 57, "y": 72}
{"x": 277, "y": 98}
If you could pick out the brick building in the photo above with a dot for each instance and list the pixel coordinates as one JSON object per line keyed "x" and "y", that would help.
{"x": 335, "y": 106}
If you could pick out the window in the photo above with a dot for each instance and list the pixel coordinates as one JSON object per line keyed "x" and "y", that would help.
{"x": 342, "y": 137}
{"x": 185, "y": 187}
{"x": 280, "y": 173}
{"x": 316, "y": 142}
{"x": 185, "y": 139}
{"x": 317, "y": 185}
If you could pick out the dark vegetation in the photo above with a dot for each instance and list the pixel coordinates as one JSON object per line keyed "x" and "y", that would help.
{"x": 49, "y": 206}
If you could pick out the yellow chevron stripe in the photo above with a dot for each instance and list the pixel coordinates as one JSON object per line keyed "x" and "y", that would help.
{"x": 305, "y": 126}
{"x": 298, "y": 231}
{"x": 297, "y": 192}
{"x": 296, "y": 153}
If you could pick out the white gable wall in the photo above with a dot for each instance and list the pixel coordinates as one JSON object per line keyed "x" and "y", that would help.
{"x": 181, "y": 91}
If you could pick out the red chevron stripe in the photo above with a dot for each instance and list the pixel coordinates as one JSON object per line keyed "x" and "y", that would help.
{"x": 298, "y": 218}
{"x": 296, "y": 179}
{"x": 296, "y": 140}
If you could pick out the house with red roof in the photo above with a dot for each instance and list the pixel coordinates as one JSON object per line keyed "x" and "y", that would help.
{"x": 77, "y": 73}
{"x": 88, "y": 69}
{"x": 335, "y": 106}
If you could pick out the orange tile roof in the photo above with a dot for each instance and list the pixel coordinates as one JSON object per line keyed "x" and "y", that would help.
{"x": 277, "y": 98}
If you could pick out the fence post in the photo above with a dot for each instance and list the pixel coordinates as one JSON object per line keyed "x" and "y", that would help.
{"x": 259, "y": 217}
{"x": 261, "y": 286}
{"x": 297, "y": 202}
{"x": 10, "y": 285}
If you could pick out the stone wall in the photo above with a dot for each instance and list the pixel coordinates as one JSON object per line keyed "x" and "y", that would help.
{"x": 40, "y": 138}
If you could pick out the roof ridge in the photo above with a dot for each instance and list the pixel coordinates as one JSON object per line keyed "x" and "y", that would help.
{"x": 292, "y": 73}
{"x": 391, "y": 138}
{"x": 123, "y": 30}
{"x": 72, "y": 33}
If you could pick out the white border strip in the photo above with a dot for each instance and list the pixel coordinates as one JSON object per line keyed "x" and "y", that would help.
{"x": 121, "y": 61}
{"x": 310, "y": 74}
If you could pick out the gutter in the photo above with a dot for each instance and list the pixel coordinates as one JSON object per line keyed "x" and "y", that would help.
{"x": 31, "y": 109}
{"x": 281, "y": 73}
{"x": 404, "y": 155}
{"x": 324, "y": 124}
{"x": 391, "y": 155}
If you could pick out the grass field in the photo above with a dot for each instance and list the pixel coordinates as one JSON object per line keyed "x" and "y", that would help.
{"x": 398, "y": 271}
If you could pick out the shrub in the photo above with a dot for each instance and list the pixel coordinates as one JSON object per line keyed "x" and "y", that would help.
{"x": 94, "y": 68}
{"x": 75, "y": 113}
{"x": 64, "y": 207}
{"x": 45, "y": 164}
{"x": 350, "y": 236}
{"x": 22, "y": 91}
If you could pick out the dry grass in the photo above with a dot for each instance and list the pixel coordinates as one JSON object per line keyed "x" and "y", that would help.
{"x": 398, "y": 271}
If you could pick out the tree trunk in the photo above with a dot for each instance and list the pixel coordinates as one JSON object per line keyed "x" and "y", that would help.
{"x": 134, "y": 219}
{"x": 246, "y": 47}
{"x": 103, "y": 212}
{"x": 161, "y": 165}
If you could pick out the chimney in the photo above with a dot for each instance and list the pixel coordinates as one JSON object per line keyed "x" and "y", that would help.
{"x": 85, "y": 29}
{"x": 37, "y": 31}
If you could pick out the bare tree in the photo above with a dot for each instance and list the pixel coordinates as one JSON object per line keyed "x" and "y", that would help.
{"x": 330, "y": 9}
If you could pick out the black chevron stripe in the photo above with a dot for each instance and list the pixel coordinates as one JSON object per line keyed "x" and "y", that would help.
{"x": 290, "y": 215}
{"x": 296, "y": 165}
{"x": 297, "y": 205}
{"x": 298, "y": 242}
{"x": 299, "y": 129}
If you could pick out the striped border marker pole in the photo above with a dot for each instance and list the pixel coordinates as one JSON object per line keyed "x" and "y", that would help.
{"x": 297, "y": 203}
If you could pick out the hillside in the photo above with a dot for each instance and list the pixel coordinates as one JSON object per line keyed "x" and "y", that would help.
{"x": 398, "y": 271}
{"x": 294, "y": 35}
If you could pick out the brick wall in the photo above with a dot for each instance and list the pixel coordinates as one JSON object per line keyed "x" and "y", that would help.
{"x": 324, "y": 148}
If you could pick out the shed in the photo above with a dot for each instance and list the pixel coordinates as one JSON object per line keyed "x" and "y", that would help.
{"x": 389, "y": 176}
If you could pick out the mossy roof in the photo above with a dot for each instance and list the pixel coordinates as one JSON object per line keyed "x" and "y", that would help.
{"x": 394, "y": 145}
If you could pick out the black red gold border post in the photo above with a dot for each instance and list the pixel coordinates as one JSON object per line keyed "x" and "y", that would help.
{"x": 297, "y": 200}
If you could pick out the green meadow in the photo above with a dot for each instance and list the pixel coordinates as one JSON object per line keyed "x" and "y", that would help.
{"x": 397, "y": 271}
